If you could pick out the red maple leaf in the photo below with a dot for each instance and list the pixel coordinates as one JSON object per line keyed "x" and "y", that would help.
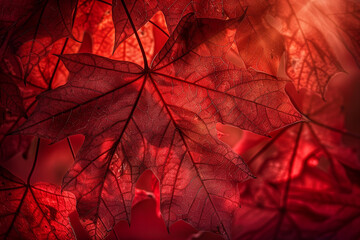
{"x": 147, "y": 100}
{"x": 12, "y": 111}
{"x": 39, "y": 211}
{"x": 310, "y": 58}
{"x": 95, "y": 19}
{"x": 34, "y": 31}
{"x": 142, "y": 11}
{"x": 270, "y": 30}
{"x": 19, "y": 100}
{"x": 163, "y": 118}
{"x": 305, "y": 188}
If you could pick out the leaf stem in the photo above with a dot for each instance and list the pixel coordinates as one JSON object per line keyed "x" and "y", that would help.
{"x": 57, "y": 64}
{"x": 105, "y": 2}
{"x": 162, "y": 30}
{"x": 146, "y": 66}
{"x": 71, "y": 148}
{"x": 32, "y": 44}
{"x": 354, "y": 135}
{"x": 34, "y": 163}
{"x": 63, "y": 49}
{"x": 16, "y": 214}
{"x": 283, "y": 207}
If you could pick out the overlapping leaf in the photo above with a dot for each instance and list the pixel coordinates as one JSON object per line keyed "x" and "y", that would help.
{"x": 272, "y": 28}
{"x": 48, "y": 73}
{"x": 142, "y": 11}
{"x": 32, "y": 35}
{"x": 37, "y": 211}
{"x": 12, "y": 110}
{"x": 12, "y": 13}
{"x": 344, "y": 18}
{"x": 311, "y": 60}
{"x": 305, "y": 188}
{"x": 315, "y": 209}
{"x": 175, "y": 10}
{"x": 162, "y": 118}
{"x": 259, "y": 44}
{"x": 95, "y": 19}
{"x": 10, "y": 97}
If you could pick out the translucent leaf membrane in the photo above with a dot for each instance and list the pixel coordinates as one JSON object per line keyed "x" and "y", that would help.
{"x": 15, "y": 144}
{"x": 164, "y": 117}
{"x": 259, "y": 44}
{"x": 49, "y": 70}
{"x": 10, "y": 97}
{"x": 160, "y": 31}
{"x": 307, "y": 187}
{"x": 13, "y": 11}
{"x": 12, "y": 110}
{"x": 142, "y": 11}
{"x": 146, "y": 224}
{"x": 31, "y": 37}
{"x": 161, "y": 119}
{"x": 41, "y": 68}
{"x": 54, "y": 160}
{"x": 311, "y": 36}
{"x": 37, "y": 211}
{"x": 306, "y": 32}
{"x": 343, "y": 17}
{"x": 311, "y": 62}
{"x": 175, "y": 10}
{"x": 147, "y": 187}
{"x": 95, "y": 18}
{"x": 214, "y": 85}
{"x": 26, "y": 54}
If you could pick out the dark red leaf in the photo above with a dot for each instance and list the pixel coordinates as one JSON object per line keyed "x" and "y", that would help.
{"x": 12, "y": 144}
{"x": 155, "y": 136}
{"x": 163, "y": 119}
{"x": 140, "y": 11}
{"x": 40, "y": 211}
{"x": 10, "y": 96}
{"x": 45, "y": 23}
{"x": 95, "y": 18}
{"x": 311, "y": 59}
{"x": 176, "y": 10}
{"x": 343, "y": 19}
{"x": 12, "y": 116}
{"x": 304, "y": 188}
{"x": 214, "y": 86}
{"x": 49, "y": 71}
{"x": 259, "y": 44}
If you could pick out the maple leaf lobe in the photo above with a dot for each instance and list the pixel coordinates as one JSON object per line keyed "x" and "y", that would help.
{"x": 161, "y": 119}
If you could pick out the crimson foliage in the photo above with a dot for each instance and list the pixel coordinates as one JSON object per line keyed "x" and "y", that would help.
{"x": 154, "y": 85}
